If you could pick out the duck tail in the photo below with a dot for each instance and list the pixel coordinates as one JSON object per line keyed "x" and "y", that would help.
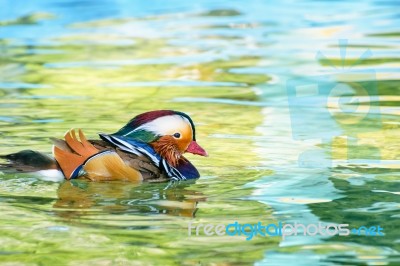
{"x": 80, "y": 157}
{"x": 27, "y": 161}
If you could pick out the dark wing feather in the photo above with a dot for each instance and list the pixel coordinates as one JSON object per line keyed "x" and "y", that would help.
{"x": 149, "y": 171}
{"x": 143, "y": 149}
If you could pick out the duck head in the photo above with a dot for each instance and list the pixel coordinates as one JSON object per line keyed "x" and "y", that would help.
{"x": 170, "y": 133}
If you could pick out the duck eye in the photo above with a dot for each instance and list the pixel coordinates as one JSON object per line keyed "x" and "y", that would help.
{"x": 177, "y": 135}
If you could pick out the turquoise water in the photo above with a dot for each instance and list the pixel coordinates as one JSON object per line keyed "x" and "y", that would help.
{"x": 297, "y": 104}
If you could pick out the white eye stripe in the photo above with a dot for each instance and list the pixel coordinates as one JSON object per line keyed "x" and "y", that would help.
{"x": 165, "y": 125}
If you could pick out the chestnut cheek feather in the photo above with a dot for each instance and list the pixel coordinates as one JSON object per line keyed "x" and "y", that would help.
{"x": 167, "y": 148}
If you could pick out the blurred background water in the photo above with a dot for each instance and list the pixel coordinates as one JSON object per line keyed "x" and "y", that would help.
{"x": 297, "y": 102}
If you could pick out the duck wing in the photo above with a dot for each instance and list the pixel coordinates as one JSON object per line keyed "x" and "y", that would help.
{"x": 140, "y": 148}
{"x": 78, "y": 157}
{"x": 147, "y": 168}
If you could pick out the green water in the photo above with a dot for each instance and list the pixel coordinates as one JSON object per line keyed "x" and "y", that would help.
{"x": 332, "y": 157}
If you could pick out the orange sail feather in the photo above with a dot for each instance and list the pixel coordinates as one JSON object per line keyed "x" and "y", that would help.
{"x": 81, "y": 155}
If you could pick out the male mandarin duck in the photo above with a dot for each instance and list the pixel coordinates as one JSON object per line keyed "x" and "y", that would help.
{"x": 149, "y": 147}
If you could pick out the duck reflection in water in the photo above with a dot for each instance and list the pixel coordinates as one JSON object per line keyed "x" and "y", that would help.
{"x": 125, "y": 197}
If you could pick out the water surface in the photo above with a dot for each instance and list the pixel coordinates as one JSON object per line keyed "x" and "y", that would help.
{"x": 277, "y": 154}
